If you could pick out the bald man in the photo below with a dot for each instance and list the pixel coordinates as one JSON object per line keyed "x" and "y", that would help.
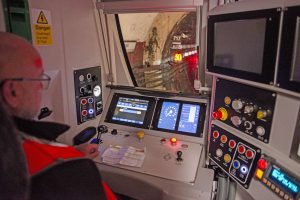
{"x": 22, "y": 81}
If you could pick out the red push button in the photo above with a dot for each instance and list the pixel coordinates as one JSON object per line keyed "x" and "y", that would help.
{"x": 217, "y": 114}
{"x": 241, "y": 149}
{"x": 262, "y": 164}
{"x": 232, "y": 144}
{"x": 83, "y": 101}
{"x": 249, "y": 154}
{"x": 84, "y": 113}
{"x": 216, "y": 134}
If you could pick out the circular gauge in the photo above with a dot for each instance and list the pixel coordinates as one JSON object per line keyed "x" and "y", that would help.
{"x": 97, "y": 91}
{"x": 171, "y": 111}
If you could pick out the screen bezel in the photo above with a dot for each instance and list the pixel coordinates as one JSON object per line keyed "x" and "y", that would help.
{"x": 201, "y": 119}
{"x": 148, "y": 115}
{"x": 270, "y": 44}
{"x": 287, "y": 50}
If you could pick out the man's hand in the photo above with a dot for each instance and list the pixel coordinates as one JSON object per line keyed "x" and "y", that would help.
{"x": 89, "y": 150}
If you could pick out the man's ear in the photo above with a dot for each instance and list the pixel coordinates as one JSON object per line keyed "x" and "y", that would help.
{"x": 9, "y": 94}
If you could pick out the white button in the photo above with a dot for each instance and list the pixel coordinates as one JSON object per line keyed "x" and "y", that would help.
{"x": 219, "y": 152}
{"x": 237, "y": 104}
{"x": 260, "y": 130}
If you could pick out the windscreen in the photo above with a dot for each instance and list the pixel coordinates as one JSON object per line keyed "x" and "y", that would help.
{"x": 239, "y": 44}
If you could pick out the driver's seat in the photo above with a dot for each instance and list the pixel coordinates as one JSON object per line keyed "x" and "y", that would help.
{"x": 68, "y": 179}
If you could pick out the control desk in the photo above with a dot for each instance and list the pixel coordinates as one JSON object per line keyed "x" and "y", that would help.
{"x": 156, "y": 142}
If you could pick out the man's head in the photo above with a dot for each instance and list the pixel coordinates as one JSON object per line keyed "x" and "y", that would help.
{"x": 19, "y": 59}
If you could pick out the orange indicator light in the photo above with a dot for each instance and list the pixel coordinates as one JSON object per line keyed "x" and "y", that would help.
{"x": 259, "y": 174}
{"x": 173, "y": 140}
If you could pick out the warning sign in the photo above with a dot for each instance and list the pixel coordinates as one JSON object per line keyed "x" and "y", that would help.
{"x": 41, "y": 20}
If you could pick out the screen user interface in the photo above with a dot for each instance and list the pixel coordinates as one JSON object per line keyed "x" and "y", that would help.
{"x": 168, "y": 115}
{"x": 282, "y": 179}
{"x": 189, "y": 118}
{"x": 130, "y": 110}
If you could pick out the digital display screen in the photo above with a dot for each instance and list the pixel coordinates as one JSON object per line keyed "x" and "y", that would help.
{"x": 248, "y": 33}
{"x": 283, "y": 180}
{"x": 168, "y": 115}
{"x": 130, "y": 110}
{"x": 189, "y": 118}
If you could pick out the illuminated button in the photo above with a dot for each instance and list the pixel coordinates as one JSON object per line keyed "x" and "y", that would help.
{"x": 83, "y": 101}
{"x": 223, "y": 139}
{"x": 216, "y": 134}
{"x": 227, "y": 100}
{"x": 262, "y": 164}
{"x": 241, "y": 149}
{"x": 227, "y": 158}
{"x": 286, "y": 197}
{"x": 221, "y": 114}
{"x": 91, "y": 100}
{"x": 244, "y": 169}
{"x": 277, "y": 190}
{"x": 232, "y": 144}
{"x": 261, "y": 114}
{"x": 259, "y": 174}
{"x": 236, "y": 164}
{"x": 219, "y": 152}
{"x": 249, "y": 154}
{"x": 173, "y": 141}
{"x": 260, "y": 130}
{"x": 84, "y": 113}
{"x": 91, "y": 111}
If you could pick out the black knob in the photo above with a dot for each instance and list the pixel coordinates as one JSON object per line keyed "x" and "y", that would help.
{"x": 114, "y": 132}
{"x": 179, "y": 154}
{"x": 102, "y": 129}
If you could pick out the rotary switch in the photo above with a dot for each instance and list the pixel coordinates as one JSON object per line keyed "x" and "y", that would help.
{"x": 237, "y": 104}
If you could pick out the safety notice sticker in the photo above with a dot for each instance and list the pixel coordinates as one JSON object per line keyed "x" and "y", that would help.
{"x": 42, "y": 27}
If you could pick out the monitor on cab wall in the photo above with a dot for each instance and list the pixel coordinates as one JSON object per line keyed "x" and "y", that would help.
{"x": 244, "y": 44}
{"x": 131, "y": 110}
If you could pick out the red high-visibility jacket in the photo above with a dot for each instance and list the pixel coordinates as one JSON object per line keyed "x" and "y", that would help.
{"x": 41, "y": 155}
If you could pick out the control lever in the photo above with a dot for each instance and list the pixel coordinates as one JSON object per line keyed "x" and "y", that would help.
{"x": 179, "y": 156}
{"x": 100, "y": 129}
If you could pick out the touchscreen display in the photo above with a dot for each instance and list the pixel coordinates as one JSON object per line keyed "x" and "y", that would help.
{"x": 130, "y": 110}
{"x": 189, "y": 118}
{"x": 168, "y": 115}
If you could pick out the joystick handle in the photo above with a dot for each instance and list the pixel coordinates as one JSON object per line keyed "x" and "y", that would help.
{"x": 179, "y": 156}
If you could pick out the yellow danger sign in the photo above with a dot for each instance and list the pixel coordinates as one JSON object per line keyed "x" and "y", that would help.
{"x": 42, "y": 27}
{"x": 42, "y": 18}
